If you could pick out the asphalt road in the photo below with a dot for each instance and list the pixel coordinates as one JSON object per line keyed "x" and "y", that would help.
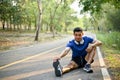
{"x": 35, "y": 63}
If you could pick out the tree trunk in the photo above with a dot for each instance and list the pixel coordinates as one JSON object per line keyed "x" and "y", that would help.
{"x": 52, "y": 26}
{"x": 7, "y": 25}
{"x": 14, "y": 26}
{"x": 3, "y": 25}
{"x": 39, "y": 19}
{"x": 35, "y": 25}
{"x": 29, "y": 26}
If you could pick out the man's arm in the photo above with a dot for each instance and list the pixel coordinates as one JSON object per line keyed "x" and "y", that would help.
{"x": 96, "y": 43}
{"x": 63, "y": 53}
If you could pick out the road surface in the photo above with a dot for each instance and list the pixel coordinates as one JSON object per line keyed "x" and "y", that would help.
{"x": 35, "y": 63}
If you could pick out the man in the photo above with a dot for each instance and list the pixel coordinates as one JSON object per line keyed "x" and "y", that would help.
{"x": 82, "y": 53}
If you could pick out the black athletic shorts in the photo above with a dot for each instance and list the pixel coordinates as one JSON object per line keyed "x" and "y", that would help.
{"x": 80, "y": 61}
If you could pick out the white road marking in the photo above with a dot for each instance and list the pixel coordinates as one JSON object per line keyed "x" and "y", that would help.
{"x": 102, "y": 63}
{"x": 104, "y": 71}
{"x": 105, "y": 74}
{"x": 30, "y": 57}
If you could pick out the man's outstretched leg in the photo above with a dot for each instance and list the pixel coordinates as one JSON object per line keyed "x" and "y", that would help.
{"x": 59, "y": 70}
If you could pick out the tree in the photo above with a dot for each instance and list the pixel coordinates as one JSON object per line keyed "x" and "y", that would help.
{"x": 102, "y": 13}
{"x": 39, "y": 19}
{"x": 112, "y": 16}
{"x": 19, "y": 15}
{"x": 4, "y": 11}
{"x": 95, "y": 5}
{"x": 55, "y": 15}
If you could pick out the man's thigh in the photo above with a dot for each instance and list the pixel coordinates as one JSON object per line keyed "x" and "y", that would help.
{"x": 90, "y": 54}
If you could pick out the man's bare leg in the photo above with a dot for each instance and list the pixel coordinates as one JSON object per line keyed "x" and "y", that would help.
{"x": 59, "y": 71}
{"x": 89, "y": 57}
{"x": 72, "y": 65}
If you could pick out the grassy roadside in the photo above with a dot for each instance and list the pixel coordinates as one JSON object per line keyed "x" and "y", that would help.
{"x": 13, "y": 39}
{"x": 111, "y": 52}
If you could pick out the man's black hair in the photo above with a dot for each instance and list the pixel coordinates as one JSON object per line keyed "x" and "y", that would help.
{"x": 77, "y": 29}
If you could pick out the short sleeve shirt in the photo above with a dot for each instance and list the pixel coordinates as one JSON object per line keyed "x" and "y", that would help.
{"x": 79, "y": 49}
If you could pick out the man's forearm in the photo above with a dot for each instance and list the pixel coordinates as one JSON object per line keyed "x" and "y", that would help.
{"x": 97, "y": 43}
{"x": 64, "y": 53}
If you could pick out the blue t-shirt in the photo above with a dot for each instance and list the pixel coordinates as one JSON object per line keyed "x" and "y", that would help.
{"x": 79, "y": 49}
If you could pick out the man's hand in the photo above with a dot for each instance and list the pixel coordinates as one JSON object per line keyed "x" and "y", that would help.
{"x": 89, "y": 48}
{"x": 64, "y": 53}
{"x": 56, "y": 58}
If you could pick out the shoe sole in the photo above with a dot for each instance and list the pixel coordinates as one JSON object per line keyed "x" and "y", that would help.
{"x": 90, "y": 71}
{"x": 57, "y": 72}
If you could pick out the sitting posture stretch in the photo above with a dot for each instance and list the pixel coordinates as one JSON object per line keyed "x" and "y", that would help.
{"x": 83, "y": 52}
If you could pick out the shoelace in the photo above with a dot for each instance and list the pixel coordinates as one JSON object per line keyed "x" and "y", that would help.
{"x": 88, "y": 66}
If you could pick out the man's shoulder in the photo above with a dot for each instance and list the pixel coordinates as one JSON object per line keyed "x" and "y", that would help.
{"x": 87, "y": 37}
{"x": 71, "y": 42}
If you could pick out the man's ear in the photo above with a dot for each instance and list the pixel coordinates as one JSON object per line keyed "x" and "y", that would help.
{"x": 73, "y": 33}
{"x": 82, "y": 33}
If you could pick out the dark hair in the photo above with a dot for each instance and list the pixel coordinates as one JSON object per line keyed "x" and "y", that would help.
{"x": 77, "y": 29}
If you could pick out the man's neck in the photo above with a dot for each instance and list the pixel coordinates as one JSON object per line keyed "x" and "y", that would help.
{"x": 79, "y": 42}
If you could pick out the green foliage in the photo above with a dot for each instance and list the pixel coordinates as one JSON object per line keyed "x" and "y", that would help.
{"x": 4, "y": 9}
{"x": 86, "y": 23}
{"x": 110, "y": 40}
{"x": 95, "y": 5}
{"x": 58, "y": 16}
{"x": 114, "y": 18}
{"x": 24, "y": 13}
{"x": 107, "y": 19}
{"x": 91, "y": 5}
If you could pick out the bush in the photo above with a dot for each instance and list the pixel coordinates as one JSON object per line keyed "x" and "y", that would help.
{"x": 111, "y": 40}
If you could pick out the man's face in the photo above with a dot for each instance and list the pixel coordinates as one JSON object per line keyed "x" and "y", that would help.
{"x": 78, "y": 36}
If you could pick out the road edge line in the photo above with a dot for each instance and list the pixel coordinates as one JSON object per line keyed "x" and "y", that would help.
{"x": 104, "y": 70}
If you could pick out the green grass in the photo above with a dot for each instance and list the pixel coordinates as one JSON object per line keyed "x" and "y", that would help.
{"x": 111, "y": 52}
